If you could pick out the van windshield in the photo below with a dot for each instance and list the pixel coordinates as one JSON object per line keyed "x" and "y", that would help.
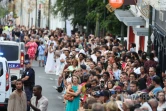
{"x": 10, "y": 52}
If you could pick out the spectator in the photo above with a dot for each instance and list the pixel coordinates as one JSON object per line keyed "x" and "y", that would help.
{"x": 18, "y": 95}
{"x": 38, "y": 102}
{"x": 157, "y": 87}
{"x": 97, "y": 107}
{"x": 153, "y": 103}
{"x": 161, "y": 100}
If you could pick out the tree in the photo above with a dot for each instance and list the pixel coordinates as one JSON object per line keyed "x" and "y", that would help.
{"x": 3, "y": 11}
{"x": 90, "y": 13}
{"x": 75, "y": 8}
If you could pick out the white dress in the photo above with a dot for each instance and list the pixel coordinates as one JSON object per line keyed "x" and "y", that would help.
{"x": 50, "y": 64}
{"x": 57, "y": 65}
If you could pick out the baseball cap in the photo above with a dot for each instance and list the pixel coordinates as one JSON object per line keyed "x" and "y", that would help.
{"x": 105, "y": 93}
{"x": 26, "y": 62}
{"x": 77, "y": 49}
{"x": 83, "y": 66}
{"x": 118, "y": 88}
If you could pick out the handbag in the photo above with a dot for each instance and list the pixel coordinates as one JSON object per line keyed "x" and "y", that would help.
{"x": 61, "y": 87}
{"x": 69, "y": 97}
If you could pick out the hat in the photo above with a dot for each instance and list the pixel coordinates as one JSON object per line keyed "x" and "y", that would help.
{"x": 26, "y": 62}
{"x": 83, "y": 67}
{"x": 82, "y": 51}
{"x": 118, "y": 87}
{"x": 77, "y": 49}
{"x": 65, "y": 49}
{"x": 104, "y": 93}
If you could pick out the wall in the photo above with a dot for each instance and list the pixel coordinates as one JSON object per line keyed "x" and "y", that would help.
{"x": 135, "y": 10}
{"x": 161, "y": 23}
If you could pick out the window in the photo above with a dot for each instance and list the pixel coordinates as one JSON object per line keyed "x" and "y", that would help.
{"x": 1, "y": 69}
{"x": 10, "y": 52}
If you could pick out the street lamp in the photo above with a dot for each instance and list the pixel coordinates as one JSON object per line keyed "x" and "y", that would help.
{"x": 85, "y": 27}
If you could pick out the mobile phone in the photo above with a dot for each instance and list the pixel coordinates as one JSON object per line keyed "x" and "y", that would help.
{"x": 113, "y": 92}
{"x": 102, "y": 84}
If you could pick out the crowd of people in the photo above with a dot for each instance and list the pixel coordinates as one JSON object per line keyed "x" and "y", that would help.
{"x": 98, "y": 73}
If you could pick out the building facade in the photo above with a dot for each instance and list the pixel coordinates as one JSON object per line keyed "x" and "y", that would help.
{"x": 159, "y": 37}
{"x": 136, "y": 19}
{"x": 27, "y": 14}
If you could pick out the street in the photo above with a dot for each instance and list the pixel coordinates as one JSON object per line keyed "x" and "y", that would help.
{"x": 49, "y": 83}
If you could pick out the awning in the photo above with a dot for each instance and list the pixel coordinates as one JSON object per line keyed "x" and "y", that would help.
{"x": 133, "y": 21}
{"x": 141, "y": 31}
{"x": 121, "y": 14}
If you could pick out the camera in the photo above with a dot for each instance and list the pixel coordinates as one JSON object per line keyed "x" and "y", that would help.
{"x": 102, "y": 84}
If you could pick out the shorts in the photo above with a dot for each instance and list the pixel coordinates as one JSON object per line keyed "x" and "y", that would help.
{"x": 41, "y": 57}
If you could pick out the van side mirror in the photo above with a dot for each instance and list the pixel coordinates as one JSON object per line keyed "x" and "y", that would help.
{"x": 1, "y": 72}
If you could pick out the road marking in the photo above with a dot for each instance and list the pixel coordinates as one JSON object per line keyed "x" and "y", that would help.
{"x": 51, "y": 79}
{"x": 42, "y": 77}
{"x": 54, "y": 87}
{"x": 60, "y": 97}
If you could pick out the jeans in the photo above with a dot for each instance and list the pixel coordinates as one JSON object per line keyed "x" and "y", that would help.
{"x": 28, "y": 91}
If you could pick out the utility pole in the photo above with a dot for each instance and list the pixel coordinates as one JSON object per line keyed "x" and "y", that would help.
{"x": 21, "y": 17}
{"x": 150, "y": 30}
{"x": 39, "y": 15}
{"x": 49, "y": 9}
{"x": 122, "y": 29}
{"x": 36, "y": 15}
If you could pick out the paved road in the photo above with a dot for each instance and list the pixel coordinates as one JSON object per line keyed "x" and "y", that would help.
{"x": 49, "y": 83}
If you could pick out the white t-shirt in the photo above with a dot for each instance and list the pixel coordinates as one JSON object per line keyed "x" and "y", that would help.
{"x": 146, "y": 105}
{"x": 42, "y": 103}
{"x": 137, "y": 70}
{"x": 94, "y": 58}
{"x": 63, "y": 56}
{"x": 160, "y": 108}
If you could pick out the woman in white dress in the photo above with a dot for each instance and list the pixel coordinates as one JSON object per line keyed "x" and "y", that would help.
{"x": 50, "y": 64}
{"x": 57, "y": 63}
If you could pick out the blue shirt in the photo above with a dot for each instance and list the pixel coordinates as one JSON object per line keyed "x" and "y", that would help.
{"x": 156, "y": 90}
{"x": 41, "y": 49}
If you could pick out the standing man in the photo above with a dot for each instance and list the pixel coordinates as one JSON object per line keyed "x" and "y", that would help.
{"x": 38, "y": 102}
{"x": 17, "y": 100}
{"x": 28, "y": 78}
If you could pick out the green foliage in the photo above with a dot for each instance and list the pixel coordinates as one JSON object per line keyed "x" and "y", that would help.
{"x": 83, "y": 11}
{"x": 3, "y": 11}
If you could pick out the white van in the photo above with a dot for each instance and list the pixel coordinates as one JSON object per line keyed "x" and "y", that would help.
{"x": 14, "y": 52}
{"x": 5, "y": 84}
